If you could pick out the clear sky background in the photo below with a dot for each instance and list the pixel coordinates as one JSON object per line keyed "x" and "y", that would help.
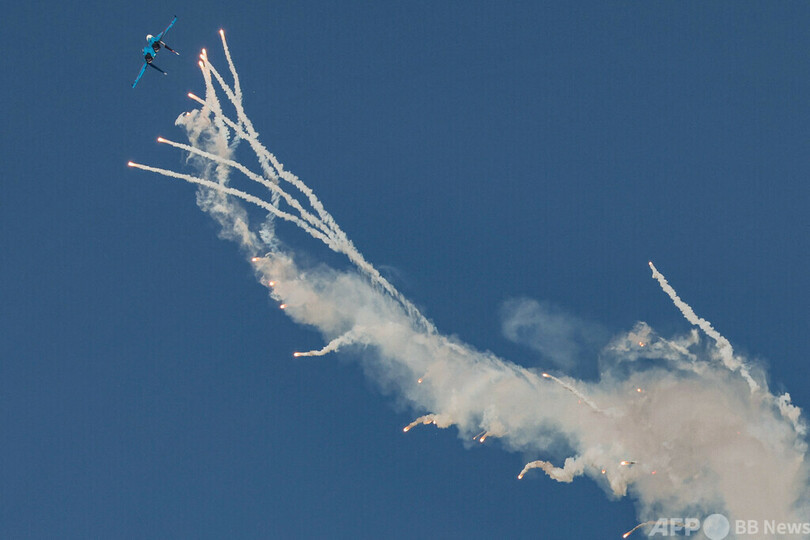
{"x": 475, "y": 153}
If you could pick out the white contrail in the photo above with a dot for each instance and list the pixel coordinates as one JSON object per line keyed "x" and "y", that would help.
{"x": 265, "y": 157}
{"x": 315, "y": 222}
{"x": 724, "y": 348}
{"x": 237, "y": 193}
{"x": 345, "y": 245}
{"x": 264, "y": 163}
{"x": 251, "y": 136}
{"x": 211, "y": 100}
{"x": 595, "y": 459}
{"x": 237, "y": 88}
{"x": 573, "y": 467}
{"x": 233, "y": 220}
{"x": 229, "y": 94}
{"x": 259, "y": 150}
{"x": 574, "y": 391}
{"x": 349, "y": 338}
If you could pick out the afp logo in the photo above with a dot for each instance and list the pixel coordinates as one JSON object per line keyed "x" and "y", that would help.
{"x": 715, "y": 527}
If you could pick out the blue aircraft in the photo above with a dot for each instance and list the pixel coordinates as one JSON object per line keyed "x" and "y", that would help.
{"x": 154, "y": 43}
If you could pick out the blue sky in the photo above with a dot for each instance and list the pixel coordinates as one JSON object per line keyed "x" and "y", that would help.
{"x": 475, "y": 153}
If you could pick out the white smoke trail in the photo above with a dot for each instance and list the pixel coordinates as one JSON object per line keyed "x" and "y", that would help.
{"x": 312, "y": 220}
{"x": 705, "y": 440}
{"x": 643, "y": 343}
{"x": 574, "y": 391}
{"x": 345, "y": 245}
{"x": 237, "y": 87}
{"x": 211, "y": 100}
{"x": 349, "y": 338}
{"x": 232, "y": 218}
{"x": 263, "y": 154}
{"x": 271, "y": 167}
{"x": 726, "y": 354}
{"x": 236, "y": 193}
{"x": 573, "y": 467}
{"x": 724, "y": 349}
{"x": 690, "y": 526}
{"x": 637, "y": 527}
{"x": 791, "y": 413}
{"x": 426, "y": 420}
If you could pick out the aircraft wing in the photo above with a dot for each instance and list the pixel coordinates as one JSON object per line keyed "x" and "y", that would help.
{"x": 160, "y": 35}
{"x": 143, "y": 68}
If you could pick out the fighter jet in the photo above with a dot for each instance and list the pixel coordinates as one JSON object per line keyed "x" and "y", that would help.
{"x": 154, "y": 43}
